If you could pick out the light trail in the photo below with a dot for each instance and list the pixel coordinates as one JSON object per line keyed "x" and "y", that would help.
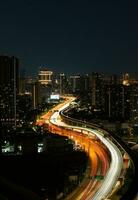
{"x": 116, "y": 164}
{"x": 114, "y": 170}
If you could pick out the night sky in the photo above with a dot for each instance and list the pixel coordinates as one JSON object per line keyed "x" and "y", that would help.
{"x": 72, "y": 35}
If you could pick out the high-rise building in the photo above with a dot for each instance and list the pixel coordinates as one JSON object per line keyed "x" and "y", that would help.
{"x": 84, "y": 83}
{"x": 97, "y": 90}
{"x": 117, "y": 102}
{"x": 134, "y": 104}
{"x": 126, "y": 79}
{"x": 35, "y": 94}
{"x": 45, "y": 77}
{"x": 63, "y": 84}
{"x": 74, "y": 84}
{"x": 9, "y": 88}
{"x": 45, "y": 80}
{"x": 22, "y": 83}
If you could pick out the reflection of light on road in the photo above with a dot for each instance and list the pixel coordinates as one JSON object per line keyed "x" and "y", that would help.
{"x": 112, "y": 175}
{"x": 114, "y": 170}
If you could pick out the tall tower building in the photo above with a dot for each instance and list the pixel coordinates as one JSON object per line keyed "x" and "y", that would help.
{"x": 126, "y": 79}
{"x": 117, "y": 102}
{"x": 22, "y": 83}
{"x": 9, "y": 88}
{"x": 45, "y": 77}
{"x": 75, "y": 83}
{"x": 35, "y": 94}
{"x": 45, "y": 80}
{"x": 97, "y": 90}
{"x": 134, "y": 104}
{"x": 63, "y": 84}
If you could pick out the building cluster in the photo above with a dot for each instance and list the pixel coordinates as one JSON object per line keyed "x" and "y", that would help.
{"x": 113, "y": 96}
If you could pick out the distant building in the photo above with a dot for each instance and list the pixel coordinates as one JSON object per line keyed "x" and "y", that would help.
{"x": 77, "y": 84}
{"x": 129, "y": 79}
{"x": 35, "y": 94}
{"x": 126, "y": 79}
{"x": 28, "y": 85}
{"x": 63, "y": 84}
{"x": 134, "y": 104}
{"x": 45, "y": 80}
{"x": 117, "y": 102}
{"x": 22, "y": 83}
{"x": 84, "y": 83}
{"x": 45, "y": 77}
{"x": 74, "y": 81}
{"x": 9, "y": 88}
{"x": 97, "y": 90}
{"x": 113, "y": 79}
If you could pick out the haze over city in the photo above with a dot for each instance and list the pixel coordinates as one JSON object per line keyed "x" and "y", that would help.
{"x": 71, "y": 36}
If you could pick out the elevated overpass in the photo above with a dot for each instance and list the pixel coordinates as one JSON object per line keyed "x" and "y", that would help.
{"x": 57, "y": 121}
{"x": 60, "y": 123}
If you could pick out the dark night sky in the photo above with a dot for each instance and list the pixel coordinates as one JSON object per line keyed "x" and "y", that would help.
{"x": 71, "y": 36}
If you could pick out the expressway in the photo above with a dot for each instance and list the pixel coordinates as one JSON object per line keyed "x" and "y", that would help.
{"x": 99, "y": 164}
{"x": 99, "y": 160}
{"x": 98, "y": 147}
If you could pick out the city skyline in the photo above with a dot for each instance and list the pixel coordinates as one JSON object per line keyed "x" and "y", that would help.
{"x": 92, "y": 113}
{"x": 71, "y": 36}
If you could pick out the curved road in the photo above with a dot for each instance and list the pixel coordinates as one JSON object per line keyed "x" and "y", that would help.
{"x": 111, "y": 172}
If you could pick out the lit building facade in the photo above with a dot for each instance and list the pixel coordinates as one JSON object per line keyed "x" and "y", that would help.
{"x": 117, "y": 102}
{"x": 63, "y": 84}
{"x": 74, "y": 82}
{"x": 22, "y": 83}
{"x": 35, "y": 94}
{"x": 134, "y": 104}
{"x": 45, "y": 80}
{"x": 84, "y": 83}
{"x": 126, "y": 79}
{"x": 45, "y": 77}
{"x": 9, "y": 88}
{"x": 97, "y": 90}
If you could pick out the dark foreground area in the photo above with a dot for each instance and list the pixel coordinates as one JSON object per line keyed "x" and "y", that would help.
{"x": 41, "y": 175}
